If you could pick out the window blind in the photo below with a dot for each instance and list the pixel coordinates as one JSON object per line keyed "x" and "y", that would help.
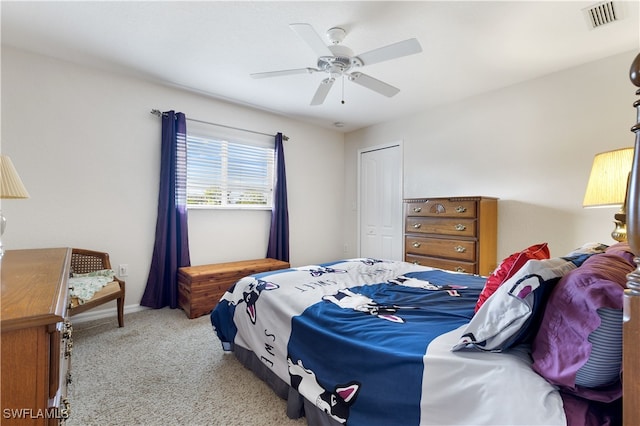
{"x": 222, "y": 173}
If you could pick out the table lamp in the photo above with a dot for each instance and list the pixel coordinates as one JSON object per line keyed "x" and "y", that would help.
{"x": 607, "y": 186}
{"x": 11, "y": 186}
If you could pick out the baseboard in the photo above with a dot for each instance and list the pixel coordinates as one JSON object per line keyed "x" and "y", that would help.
{"x": 95, "y": 314}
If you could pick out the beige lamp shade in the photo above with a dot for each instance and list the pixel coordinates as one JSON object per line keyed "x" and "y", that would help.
{"x": 607, "y": 185}
{"x": 11, "y": 185}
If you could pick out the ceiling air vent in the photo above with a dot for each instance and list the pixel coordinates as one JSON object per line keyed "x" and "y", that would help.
{"x": 601, "y": 14}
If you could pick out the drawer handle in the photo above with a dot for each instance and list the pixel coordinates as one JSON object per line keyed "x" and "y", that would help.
{"x": 68, "y": 330}
{"x": 461, "y": 209}
{"x": 68, "y": 349}
{"x": 417, "y": 225}
{"x": 460, "y": 249}
{"x": 415, "y": 262}
{"x": 460, "y": 269}
{"x": 460, "y": 227}
{"x": 417, "y": 209}
{"x": 65, "y": 410}
{"x": 416, "y": 244}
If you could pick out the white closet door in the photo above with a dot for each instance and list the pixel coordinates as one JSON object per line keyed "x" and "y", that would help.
{"x": 381, "y": 203}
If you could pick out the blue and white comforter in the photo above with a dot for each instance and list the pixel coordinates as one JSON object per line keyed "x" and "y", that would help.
{"x": 352, "y": 336}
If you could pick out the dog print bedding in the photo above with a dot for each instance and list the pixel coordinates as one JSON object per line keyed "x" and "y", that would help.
{"x": 368, "y": 342}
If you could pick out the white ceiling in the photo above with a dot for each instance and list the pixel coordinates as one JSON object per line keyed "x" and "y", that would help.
{"x": 469, "y": 47}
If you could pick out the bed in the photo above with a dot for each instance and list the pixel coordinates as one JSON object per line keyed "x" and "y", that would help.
{"x": 379, "y": 342}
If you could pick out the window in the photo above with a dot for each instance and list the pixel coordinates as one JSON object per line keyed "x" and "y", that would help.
{"x": 223, "y": 173}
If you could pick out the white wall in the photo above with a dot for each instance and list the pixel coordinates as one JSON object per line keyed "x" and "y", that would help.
{"x": 88, "y": 151}
{"x": 531, "y": 145}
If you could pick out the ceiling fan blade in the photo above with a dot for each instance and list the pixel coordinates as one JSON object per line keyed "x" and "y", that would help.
{"x": 373, "y": 84}
{"x": 311, "y": 37}
{"x": 392, "y": 51}
{"x": 322, "y": 92}
{"x": 283, "y": 72}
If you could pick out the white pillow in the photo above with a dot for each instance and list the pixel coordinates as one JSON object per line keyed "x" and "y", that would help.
{"x": 504, "y": 319}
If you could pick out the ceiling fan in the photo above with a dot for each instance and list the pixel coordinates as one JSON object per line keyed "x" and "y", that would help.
{"x": 339, "y": 61}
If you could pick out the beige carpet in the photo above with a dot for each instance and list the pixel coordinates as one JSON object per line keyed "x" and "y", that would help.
{"x": 164, "y": 369}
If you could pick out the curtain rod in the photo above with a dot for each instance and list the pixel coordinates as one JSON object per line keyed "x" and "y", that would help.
{"x": 158, "y": 113}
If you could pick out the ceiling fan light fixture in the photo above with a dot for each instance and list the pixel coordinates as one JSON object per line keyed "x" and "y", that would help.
{"x": 341, "y": 51}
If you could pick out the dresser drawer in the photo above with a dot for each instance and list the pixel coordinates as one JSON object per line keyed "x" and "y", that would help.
{"x": 442, "y": 208}
{"x": 451, "y": 265}
{"x": 441, "y": 247}
{"x": 441, "y": 226}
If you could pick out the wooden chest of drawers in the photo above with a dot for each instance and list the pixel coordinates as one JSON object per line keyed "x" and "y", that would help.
{"x": 458, "y": 233}
{"x": 201, "y": 287}
{"x": 36, "y": 336}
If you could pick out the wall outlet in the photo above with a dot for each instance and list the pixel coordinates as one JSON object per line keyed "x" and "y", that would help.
{"x": 123, "y": 270}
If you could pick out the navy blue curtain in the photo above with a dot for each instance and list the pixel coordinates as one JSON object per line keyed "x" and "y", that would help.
{"x": 171, "y": 248}
{"x": 279, "y": 233}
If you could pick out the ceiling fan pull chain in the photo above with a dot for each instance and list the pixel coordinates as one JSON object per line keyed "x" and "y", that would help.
{"x": 342, "y": 102}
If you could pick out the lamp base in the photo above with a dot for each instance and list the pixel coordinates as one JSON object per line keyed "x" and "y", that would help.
{"x": 620, "y": 232}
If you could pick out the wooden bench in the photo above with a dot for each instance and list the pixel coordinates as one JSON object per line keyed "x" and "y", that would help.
{"x": 201, "y": 287}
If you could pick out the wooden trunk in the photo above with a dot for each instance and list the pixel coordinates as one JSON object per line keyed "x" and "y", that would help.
{"x": 201, "y": 287}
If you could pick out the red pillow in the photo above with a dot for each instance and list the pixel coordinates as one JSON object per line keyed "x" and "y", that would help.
{"x": 508, "y": 267}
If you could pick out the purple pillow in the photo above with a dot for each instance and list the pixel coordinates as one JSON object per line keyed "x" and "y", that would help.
{"x": 623, "y": 250}
{"x": 561, "y": 346}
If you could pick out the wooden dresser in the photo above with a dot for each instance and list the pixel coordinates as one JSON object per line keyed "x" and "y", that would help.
{"x": 36, "y": 336}
{"x": 457, "y": 233}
